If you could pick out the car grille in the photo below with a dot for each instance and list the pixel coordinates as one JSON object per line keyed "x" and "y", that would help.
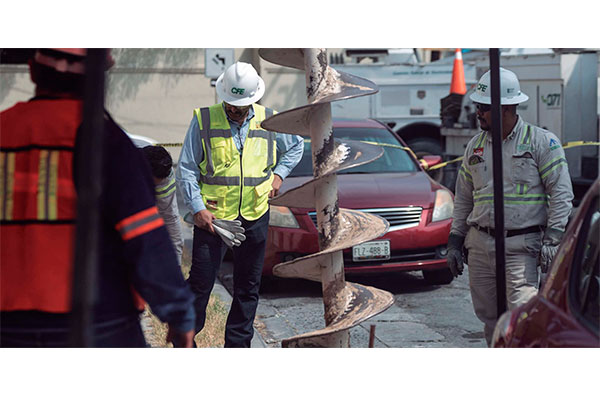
{"x": 399, "y": 218}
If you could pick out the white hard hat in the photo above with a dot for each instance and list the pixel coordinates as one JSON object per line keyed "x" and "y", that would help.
{"x": 240, "y": 85}
{"x": 510, "y": 90}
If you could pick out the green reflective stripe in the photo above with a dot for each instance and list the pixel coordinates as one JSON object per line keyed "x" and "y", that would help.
{"x": 522, "y": 188}
{"x": 479, "y": 196}
{"x": 166, "y": 190}
{"x": 7, "y": 174}
{"x": 256, "y": 181}
{"x": 522, "y": 202}
{"x": 466, "y": 174}
{"x": 220, "y": 180}
{"x": 481, "y": 141}
{"x": 551, "y": 166}
{"x": 526, "y": 137}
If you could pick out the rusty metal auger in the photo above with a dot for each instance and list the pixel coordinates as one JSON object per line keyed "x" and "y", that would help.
{"x": 346, "y": 304}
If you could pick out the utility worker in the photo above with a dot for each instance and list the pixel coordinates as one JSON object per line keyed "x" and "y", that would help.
{"x": 161, "y": 165}
{"x": 38, "y": 196}
{"x": 537, "y": 203}
{"x": 228, "y": 169}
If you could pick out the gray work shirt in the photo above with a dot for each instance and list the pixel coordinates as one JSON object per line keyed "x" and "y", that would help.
{"x": 537, "y": 185}
{"x": 166, "y": 201}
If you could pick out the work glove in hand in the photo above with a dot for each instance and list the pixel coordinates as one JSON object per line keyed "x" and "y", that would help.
{"x": 455, "y": 254}
{"x": 234, "y": 226}
{"x": 550, "y": 243}
{"x": 230, "y": 238}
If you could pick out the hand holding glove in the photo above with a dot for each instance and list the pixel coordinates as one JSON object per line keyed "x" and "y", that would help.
{"x": 232, "y": 232}
{"x": 455, "y": 254}
{"x": 550, "y": 243}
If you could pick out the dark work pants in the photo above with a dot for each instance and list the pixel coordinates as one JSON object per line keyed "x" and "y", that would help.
{"x": 207, "y": 255}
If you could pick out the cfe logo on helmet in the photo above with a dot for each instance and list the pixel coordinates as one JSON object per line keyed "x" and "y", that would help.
{"x": 235, "y": 90}
{"x": 482, "y": 87}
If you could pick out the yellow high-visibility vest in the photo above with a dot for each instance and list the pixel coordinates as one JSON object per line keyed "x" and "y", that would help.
{"x": 232, "y": 184}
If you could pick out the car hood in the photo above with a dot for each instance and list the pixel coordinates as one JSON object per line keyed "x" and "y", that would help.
{"x": 387, "y": 190}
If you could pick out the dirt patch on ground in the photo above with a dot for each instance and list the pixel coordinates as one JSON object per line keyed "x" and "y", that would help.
{"x": 213, "y": 333}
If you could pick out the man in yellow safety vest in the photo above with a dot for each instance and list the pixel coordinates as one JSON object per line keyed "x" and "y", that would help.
{"x": 228, "y": 169}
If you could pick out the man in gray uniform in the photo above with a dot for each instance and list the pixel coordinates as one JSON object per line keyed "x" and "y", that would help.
{"x": 161, "y": 165}
{"x": 537, "y": 203}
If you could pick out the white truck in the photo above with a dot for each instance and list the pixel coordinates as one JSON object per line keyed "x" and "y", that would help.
{"x": 562, "y": 86}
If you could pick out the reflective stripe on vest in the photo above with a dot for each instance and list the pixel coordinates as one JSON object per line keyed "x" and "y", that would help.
{"x": 31, "y": 174}
{"x": 231, "y": 184}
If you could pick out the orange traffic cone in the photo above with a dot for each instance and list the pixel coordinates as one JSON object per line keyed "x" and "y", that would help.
{"x": 458, "y": 84}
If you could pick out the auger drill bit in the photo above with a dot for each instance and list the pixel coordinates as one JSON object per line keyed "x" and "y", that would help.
{"x": 346, "y": 304}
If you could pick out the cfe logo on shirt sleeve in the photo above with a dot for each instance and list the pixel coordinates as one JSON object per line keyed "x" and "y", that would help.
{"x": 553, "y": 144}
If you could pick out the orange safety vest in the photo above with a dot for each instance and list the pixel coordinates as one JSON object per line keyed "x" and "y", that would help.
{"x": 37, "y": 204}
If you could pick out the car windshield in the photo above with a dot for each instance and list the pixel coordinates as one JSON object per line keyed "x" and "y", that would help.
{"x": 393, "y": 159}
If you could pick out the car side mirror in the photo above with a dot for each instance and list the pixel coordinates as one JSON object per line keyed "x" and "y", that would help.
{"x": 429, "y": 161}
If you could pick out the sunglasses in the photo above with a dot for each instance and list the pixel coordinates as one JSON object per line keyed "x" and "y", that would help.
{"x": 483, "y": 107}
{"x": 241, "y": 109}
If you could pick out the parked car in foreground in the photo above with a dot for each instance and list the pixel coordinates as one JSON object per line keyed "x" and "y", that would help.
{"x": 566, "y": 311}
{"x": 395, "y": 187}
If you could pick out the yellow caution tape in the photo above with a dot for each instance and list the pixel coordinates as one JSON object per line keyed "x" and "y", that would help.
{"x": 169, "y": 144}
{"x": 442, "y": 165}
{"x": 565, "y": 146}
{"x": 580, "y": 143}
{"x": 423, "y": 163}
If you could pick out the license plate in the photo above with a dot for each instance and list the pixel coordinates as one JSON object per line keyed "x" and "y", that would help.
{"x": 377, "y": 250}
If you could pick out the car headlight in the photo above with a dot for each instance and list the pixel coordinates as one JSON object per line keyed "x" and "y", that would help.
{"x": 443, "y": 206}
{"x": 282, "y": 217}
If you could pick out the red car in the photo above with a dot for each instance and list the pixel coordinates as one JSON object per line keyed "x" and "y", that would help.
{"x": 395, "y": 187}
{"x": 566, "y": 311}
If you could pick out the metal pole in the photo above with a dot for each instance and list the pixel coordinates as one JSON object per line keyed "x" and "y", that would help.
{"x": 498, "y": 181}
{"x": 372, "y": 337}
{"x": 326, "y": 197}
{"x": 90, "y": 178}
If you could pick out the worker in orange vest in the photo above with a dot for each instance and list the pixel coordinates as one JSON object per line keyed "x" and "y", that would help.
{"x": 38, "y": 195}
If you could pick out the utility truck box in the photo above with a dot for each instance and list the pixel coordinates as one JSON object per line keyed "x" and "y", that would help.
{"x": 563, "y": 97}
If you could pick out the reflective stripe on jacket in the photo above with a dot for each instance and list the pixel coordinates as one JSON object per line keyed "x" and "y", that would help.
{"x": 537, "y": 185}
{"x": 232, "y": 184}
{"x": 37, "y": 204}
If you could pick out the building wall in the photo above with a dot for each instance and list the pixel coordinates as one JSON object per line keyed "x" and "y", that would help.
{"x": 153, "y": 92}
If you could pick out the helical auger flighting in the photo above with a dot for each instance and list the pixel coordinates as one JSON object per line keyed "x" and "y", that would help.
{"x": 346, "y": 304}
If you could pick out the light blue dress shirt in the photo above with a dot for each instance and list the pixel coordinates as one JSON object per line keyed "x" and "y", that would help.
{"x": 289, "y": 149}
